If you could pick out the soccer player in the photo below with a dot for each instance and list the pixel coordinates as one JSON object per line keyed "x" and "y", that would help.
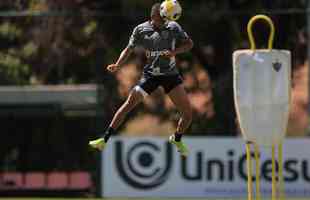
{"x": 161, "y": 40}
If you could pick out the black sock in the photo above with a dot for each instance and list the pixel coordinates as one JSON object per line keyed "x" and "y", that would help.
{"x": 177, "y": 137}
{"x": 110, "y": 131}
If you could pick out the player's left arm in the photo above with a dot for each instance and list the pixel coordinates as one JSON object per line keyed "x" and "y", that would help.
{"x": 185, "y": 46}
{"x": 185, "y": 43}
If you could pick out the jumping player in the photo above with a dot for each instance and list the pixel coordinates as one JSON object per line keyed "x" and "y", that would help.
{"x": 161, "y": 40}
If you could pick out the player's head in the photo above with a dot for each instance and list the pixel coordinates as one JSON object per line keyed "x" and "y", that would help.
{"x": 155, "y": 14}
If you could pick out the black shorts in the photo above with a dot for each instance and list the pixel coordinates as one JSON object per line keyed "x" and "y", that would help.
{"x": 150, "y": 83}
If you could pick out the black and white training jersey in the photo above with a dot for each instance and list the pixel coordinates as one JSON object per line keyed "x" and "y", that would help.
{"x": 155, "y": 42}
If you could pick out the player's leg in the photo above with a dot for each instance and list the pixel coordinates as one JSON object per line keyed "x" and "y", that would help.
{"x": 180, "y": 99}
{"x": 134, "y": 98}
{"x": 176, "y": 91}
{"x": 146, "y": 86}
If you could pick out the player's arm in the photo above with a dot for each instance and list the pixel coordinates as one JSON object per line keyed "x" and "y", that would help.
{"x": 121, "y": 60}
{"x": 134, "y": 39}
{"x": 185, "y": 43}
{"x": 185, "y": 46}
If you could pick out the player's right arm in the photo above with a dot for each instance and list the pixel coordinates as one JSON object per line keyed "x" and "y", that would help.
{"x": 133, "y": 41}
{"x": 121, "y": 60}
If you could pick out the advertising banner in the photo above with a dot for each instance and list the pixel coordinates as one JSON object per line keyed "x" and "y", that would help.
{"x": 151, "y": 167}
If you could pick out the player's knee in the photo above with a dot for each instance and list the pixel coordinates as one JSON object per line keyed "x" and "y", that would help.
{"x": 133, "y": 100}
{"x": 129, "y": 104}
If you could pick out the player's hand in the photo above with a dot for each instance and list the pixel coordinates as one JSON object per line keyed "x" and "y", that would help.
{"x": 112, "y": 68}
{"x": 169, "y": 53}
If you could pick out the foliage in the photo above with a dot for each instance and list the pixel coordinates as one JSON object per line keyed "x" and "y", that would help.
{"x": 60, "y": 48}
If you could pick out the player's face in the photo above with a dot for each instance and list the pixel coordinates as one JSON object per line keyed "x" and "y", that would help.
{"x": 157, "y": 19}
